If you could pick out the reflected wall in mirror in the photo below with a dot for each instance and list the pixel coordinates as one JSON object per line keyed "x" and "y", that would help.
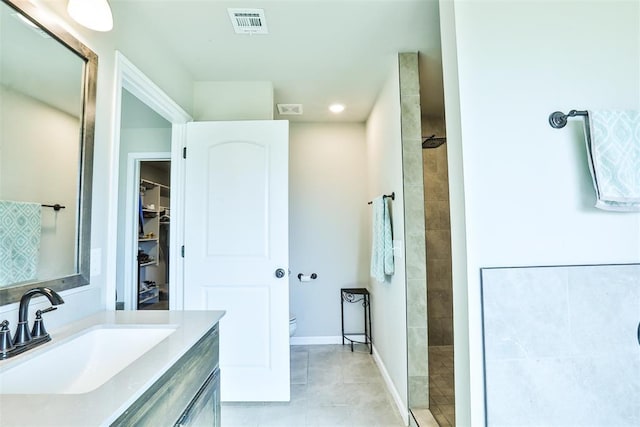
{"x": 47, "y": 114}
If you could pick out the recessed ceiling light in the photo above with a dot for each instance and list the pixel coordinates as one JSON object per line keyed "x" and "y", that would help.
{"x": 336, "y": 108}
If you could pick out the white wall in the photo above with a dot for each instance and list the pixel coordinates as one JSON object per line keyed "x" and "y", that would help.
{"x": 328, "y": 232}
{"x": 388, "y": 300}
{"x": 232, "y": 101}
{"x": 528, "y": 193}
{"x": 457, "y": 213}
{"x": 158, "y": 65}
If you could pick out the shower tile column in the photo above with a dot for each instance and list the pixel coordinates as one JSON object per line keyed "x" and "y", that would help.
{"x": 438, "y": 231}
{"x": 414, "y": 231}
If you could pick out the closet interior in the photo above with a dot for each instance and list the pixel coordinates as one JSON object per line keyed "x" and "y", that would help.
{"x": 154, "y": 211}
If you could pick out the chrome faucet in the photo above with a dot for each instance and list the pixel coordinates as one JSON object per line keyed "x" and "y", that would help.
{"x": 25, "y": 339}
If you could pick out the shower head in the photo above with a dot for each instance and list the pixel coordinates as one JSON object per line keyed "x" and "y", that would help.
{"x": 433, "y": 142}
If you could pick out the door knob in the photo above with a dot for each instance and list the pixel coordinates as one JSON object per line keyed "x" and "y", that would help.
{"x": 280, "y": 273}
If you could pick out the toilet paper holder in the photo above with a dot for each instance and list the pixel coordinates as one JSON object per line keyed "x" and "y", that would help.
{"x": 306, "y": 278}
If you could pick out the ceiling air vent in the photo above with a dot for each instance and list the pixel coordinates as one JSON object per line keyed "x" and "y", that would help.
{"x": 290, "y": 109}
{"x": 248, "y": 21}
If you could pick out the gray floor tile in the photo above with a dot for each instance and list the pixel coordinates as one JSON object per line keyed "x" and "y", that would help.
{"x": 361, "y": 372}
{"x": 329, "y": 394}
{"x": 294, "y": 416}
{"x": 379, "y": 415}
{"x": 330, "y": 374}
{"x": 299, "y": 367}
{"x": 235, "y": 415}
{"x": 330, "y": 386}
{"x": 326, "y": 416}
{"x": 366, "y": 395}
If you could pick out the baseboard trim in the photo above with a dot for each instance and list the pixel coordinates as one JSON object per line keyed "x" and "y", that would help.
{"x": 315, "y": 340}
{"x": 404, "y": 411}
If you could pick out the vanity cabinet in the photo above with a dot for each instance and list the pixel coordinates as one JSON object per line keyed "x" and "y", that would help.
{"x": 188, "y": 394}
{"x": 204, "y": 409}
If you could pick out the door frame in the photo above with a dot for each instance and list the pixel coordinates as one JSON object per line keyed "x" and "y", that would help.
{"x": 129, "y": 77}
{"x": 130, "y": 273}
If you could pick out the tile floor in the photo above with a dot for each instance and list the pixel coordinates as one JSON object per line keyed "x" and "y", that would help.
{"x": 441, "y": 385}
{"x": 330, "y": 386}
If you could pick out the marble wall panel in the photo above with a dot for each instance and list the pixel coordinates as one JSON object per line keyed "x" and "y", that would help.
{"x": 561, "y": 345}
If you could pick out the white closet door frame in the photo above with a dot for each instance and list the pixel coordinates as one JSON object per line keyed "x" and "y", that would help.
{"x": 129, "y": 77}
{"x": 131, "y": 230}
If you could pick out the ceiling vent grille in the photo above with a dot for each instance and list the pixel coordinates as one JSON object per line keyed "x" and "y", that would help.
{"x": 248, "y": 21}
{"x": 290, "y": 109}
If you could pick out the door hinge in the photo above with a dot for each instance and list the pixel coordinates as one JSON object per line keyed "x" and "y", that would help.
{"x": 182, "y": 251}
{"x": 184, "y": 152}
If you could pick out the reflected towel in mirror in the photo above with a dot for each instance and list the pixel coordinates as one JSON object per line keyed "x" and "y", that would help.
{"x": 20, "y": 230}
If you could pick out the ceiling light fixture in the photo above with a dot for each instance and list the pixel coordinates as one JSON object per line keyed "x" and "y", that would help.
{"x": 93, "y": 14}
{"x": 336, "y": 108}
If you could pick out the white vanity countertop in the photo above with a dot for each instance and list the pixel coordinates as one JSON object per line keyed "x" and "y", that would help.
{"x": 104, "y": 404}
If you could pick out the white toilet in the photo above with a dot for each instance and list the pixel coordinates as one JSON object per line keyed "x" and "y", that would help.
{"x": 293, "y": 324}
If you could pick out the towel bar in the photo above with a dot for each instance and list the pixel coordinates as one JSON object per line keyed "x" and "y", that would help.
{"x": 558, "y": 119}
{"x": 392, "y": 196}
{"x": 55, "y": 207}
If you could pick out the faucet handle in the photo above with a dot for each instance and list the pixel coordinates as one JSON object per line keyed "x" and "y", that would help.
{"x": 6, "y": 343}
{"x": 38, "y": 330}
{"x": 46, "y": 310}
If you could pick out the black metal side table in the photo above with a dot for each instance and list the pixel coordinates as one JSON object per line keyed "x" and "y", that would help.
{"x": 355, "y": 295}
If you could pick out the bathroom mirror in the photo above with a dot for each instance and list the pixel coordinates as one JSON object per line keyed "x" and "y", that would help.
{"x": 47, "y": 118}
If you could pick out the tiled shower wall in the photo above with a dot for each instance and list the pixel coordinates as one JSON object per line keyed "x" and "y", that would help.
{"x": 416, "y": 276}
{"x": 561, "y": 345}
{"x": 438, "y": 235}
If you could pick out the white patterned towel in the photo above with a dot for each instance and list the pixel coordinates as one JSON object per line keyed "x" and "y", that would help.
{"x": 20, "y": 229}
{"x": 382, "y": 241}
{"x": 613, "y": 147}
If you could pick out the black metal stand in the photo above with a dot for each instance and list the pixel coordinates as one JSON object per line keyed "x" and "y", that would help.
{"x": 354, "y": 295}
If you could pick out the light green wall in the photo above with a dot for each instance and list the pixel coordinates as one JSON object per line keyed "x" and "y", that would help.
{"x": 328, "y": 218}
{"x": 389, "y": 299}
{"x": 233, "y": 101}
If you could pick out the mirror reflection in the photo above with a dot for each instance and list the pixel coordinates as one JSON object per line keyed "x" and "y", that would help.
{"x": 42, "y": 130}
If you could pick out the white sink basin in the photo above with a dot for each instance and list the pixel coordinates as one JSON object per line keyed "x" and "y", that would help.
{"x": 83, "y": 363}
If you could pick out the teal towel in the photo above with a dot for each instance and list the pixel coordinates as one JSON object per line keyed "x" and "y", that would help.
{"x": 20, "y": 228}
{"x": 382, "y": 264}
{"x": 613, "y": 148}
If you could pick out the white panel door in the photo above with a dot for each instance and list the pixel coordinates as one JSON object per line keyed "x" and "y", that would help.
{"x": 236, "y": 239}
